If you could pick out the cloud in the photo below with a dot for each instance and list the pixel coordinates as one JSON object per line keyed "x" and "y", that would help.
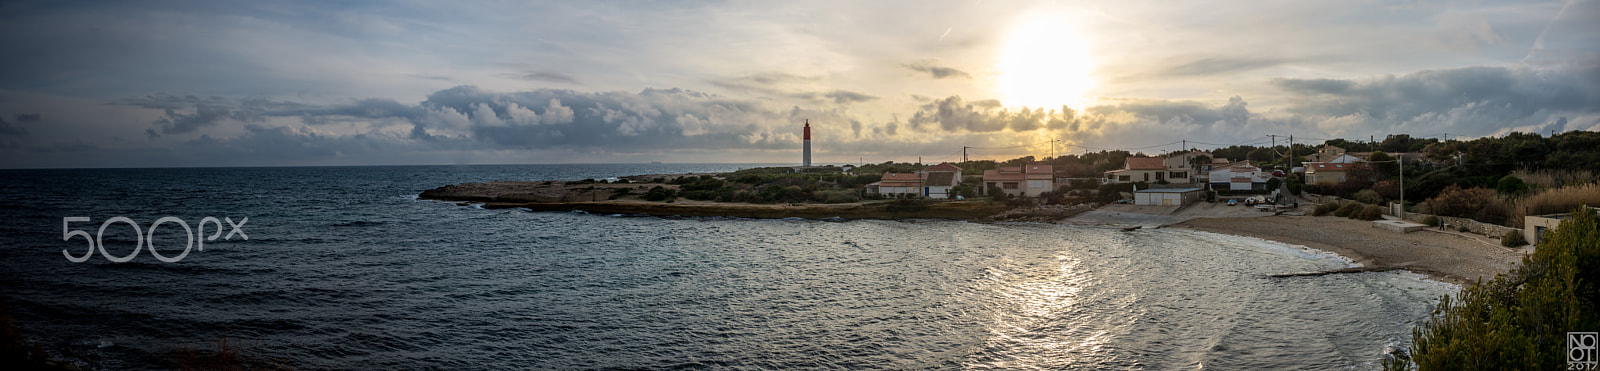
{"x": 27, "y": 117}
{"x": 937, "y": 72}
{"x": 842, "y": 96}
{"x": 1221, "y": 65}
{"x": 6, "y": 129}
{"x": 548, "y": 77}
{"x": 1466, "y": 100}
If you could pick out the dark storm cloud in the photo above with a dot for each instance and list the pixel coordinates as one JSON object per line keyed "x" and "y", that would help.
{"x": 548, "y": 77}
{"x": 1213, "y": 66}
{"x": 27, "y": 117}
{"x": 7, "y": 129}
{"x": 937, "y": 72}
{"x": 1472, "y": 99}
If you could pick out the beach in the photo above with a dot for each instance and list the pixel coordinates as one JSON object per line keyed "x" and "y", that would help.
{"x": 1450, "y": 256}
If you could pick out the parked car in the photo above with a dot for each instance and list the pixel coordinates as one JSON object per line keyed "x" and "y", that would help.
{"x": 1233, "y": 202}
{"x": 1277, "y": 173}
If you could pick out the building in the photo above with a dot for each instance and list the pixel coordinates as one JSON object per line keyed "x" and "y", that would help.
{"x": 1139, "y": 169}
{"x": 1168, "y": 196}
{"x": 806, "y": 161}
{"x": 1333, "y": 172}
{"x": 1027, "y": 180}
{"x": 1328, "y": 153}
{"x": 934, "y": 182}
{"x": 1534, "y": 226}
{"x": 1181, "y": 168}
{"x": 898, "y": 184}
{"x": 1238, "y": 176}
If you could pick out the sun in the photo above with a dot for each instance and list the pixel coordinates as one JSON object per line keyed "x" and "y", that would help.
{"x": 1046, "y": 64}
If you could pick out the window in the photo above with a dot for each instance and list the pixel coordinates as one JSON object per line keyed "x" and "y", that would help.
{"x": 1010, "y": 185}
{"x": 1146, "y": 177}
{"x": 1178, "y": 175}
{"x": 1038, "y": 184}
{"x": 1123, "y": 178}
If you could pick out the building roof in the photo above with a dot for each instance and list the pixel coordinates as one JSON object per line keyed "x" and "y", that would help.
{"x": 1145, "y": 163}
{"x": 1038, "y": 169}
{"x": 1009, "y": 169}
{"x": 1313, "y": 167}
{"x": 1168, "y": 190}
{"x": 941, "y": 179}
{"x": 944, "y": 167}
{"x": 996, "y": 175}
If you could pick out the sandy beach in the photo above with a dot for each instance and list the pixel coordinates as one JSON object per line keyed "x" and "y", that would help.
{"x": 1449, "y": 256}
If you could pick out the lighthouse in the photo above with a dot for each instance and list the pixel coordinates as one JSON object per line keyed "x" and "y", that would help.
{"x": 807, "y": 162}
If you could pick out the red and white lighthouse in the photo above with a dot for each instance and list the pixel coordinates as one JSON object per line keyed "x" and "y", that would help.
{"x": 807, "y": 162}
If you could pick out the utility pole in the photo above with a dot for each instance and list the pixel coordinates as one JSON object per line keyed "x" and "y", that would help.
{"x": 1185, "y": 146}
{"x": 964, "y": 154}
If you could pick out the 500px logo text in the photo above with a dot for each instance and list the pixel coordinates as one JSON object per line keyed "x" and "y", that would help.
{"x": 97, "y": 242}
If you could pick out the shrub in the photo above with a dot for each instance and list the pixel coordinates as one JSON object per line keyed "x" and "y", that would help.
{"x": 1554, "y": 200}
{"x": 1368, "y": 196}
{"x": 1511, "y": 185}
{"x": 1431, "y": 221}
{"x": 1513, "y": 238}
{"x": 659, "y": 193}
{"x": 834, "y": 197}
{"x": 1517, "y": 320}
{"x": 1369, "y": 213}
{"x": 1460, "y": 203}
{"x": 1349, "y": 209}
{"x": 1325, "y": 209}
{"x": 1463, "y": 228}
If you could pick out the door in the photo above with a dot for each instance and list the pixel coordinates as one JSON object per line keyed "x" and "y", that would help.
{"x": 1166, "y": 201}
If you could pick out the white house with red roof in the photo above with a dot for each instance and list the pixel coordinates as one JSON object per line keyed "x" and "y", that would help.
{"x": 1027, "y": 180}
{"x": 934, "y": 182}
{"x": 1139, "y": 169}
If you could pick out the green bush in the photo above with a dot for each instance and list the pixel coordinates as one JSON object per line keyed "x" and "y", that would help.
{"x": 1369, "y": 213}
{"x": 1325, "y": 209}
{"x": 1513, "y": 238}
{"x": 1368, "y": 196}
{"x": 1347, "y": 210}
{"x": 659, "y": 193}
{"x": 1463, "y": 228}
{"x": 1518, "y": 320}
{"x": 1431, "y": 221}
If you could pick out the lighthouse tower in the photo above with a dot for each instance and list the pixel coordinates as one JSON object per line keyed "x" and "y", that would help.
{"x": 807, "y": 162}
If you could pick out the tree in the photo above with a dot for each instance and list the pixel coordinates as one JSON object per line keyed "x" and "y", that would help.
{"x": 1511, "y": 185}
{"x": 1199, "y": 162}
{"x": 1518, "y": 320}
{"x": 1382, "y": 161}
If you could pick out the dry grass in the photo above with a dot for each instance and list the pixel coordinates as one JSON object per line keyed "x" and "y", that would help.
{"x": 1555, "y": 200}
{"x": 1552, "y": 179}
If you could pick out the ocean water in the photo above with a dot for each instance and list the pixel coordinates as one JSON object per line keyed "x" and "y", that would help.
{"x": 345, "y": 269}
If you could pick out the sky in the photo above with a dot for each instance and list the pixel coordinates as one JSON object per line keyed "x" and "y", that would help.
{"x": 223, "y": 83}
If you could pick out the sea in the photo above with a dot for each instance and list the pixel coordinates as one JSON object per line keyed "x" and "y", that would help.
{"x": 345, "y": 268}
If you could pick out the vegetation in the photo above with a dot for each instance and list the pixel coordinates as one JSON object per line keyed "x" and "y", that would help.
{"x": 1550, "y": 201}
{"x": 1517, "y": 320}
{"x": 1325, "y": 209}
{"x": 1348, "y": 210}
{"x": 1368, "y": 196}
{"x": 1368, "y": 213}
{"x": 1431, "y": 221}
{"x": 1513, "y": 238}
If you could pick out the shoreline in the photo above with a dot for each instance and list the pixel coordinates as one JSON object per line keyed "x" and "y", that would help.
{"x": 1443, "y": 256}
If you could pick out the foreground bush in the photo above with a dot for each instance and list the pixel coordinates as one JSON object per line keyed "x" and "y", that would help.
{"x": 1520, "y": 319}
{"x": 1431, "y": 221}
{"x": 1513, "y": 239}
{"x": 1368, "y": 213}
{"x": 1368, "y": 196}
{"x": 1325, "y": 209}
{"x": 1348, "y": 209}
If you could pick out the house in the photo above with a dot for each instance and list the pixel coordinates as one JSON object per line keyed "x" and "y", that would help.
{"x": 1168, "y": 196}
{"x": 1328, "y": 153}
{"x": 1534, "y": 226}
{"x": 934, "y": 181}
{"x": 1139, "y": 169}
{"x": 1026, "y": 180}
{"x": 1238, "y": 176}
{"x": 1333, "y": 172}
{"x": 898, "y": 184}
{"x": 1181, "y": 168}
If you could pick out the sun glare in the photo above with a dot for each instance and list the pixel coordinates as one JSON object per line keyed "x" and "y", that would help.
{"x": 1045, "y": 64}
